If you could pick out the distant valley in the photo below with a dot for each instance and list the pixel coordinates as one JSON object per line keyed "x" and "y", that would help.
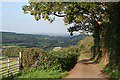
{"x": 34, "y": 40}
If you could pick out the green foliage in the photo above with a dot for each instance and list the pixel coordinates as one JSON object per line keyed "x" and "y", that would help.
{"x": 71, "y": 49}
{"x": 87, "y": 17}
{"x": 30, "y": 56}
{"x": 12, "y": 51}
{"x": 39, "y": 64}
{"x": 67, "y": 59}
{"x": 53, "y": 59}
{"x": 113, "y": 73}
{"x": 40, "y": 72}
{"x": 83, "y": 48}
{"x": 102, "y": 19}
{"x": 73, "y": 12}
{"x": 85, "y": 45}
{"x": 111, "y": 36}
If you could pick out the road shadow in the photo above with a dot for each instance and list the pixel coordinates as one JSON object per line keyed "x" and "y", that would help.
{"x": 85, "y": 61}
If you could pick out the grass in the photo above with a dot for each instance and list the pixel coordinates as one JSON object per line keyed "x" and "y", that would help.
{"x": 86, "y": 57}
{"x": 43, "y": 74}
{"x": 39, "y": 73}
{"x": 101, "y": 65}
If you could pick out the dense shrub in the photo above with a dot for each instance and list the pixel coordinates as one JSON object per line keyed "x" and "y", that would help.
{"x": 85, "y": 45}
{"x": 30, "y": 57}
{"x": 11, "y": 51}
{"x": 65, "y": 59}
{"x": 113, "y": 73}
{"x": 55, "y": 60}
{"x": 71, "y": 49}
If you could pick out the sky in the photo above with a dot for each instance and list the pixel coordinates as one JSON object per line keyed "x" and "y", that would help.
{"x": 14, "y": 20}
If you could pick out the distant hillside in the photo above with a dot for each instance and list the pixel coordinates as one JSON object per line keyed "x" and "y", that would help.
{"x": 42, "y": 41}
{"x": 11, "y": 37}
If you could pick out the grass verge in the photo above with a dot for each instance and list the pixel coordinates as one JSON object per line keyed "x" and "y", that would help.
{"x": 40, "y": 73}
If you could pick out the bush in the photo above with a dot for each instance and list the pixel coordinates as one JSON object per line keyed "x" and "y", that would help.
{"x": 31, "y": 56}
{"x": 12, "y": 51}
{"x": 113, "y": 73}
{"x": 62, "y": 59}
{"x": 55, "y": 60}
{"x": 85, "y": 45}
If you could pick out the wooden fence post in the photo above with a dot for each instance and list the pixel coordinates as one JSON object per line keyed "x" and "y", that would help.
{"x": 18, "y": 64}
{"x": 20, "y": 59}
{"x": 8, "y": 66}
{"x": 20, "y": 55}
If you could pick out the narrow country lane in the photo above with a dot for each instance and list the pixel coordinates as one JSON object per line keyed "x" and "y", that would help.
{"x": 86, "y": 69}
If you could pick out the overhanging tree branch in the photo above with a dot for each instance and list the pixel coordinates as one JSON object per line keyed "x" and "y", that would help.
{"x": 59, "y": 15}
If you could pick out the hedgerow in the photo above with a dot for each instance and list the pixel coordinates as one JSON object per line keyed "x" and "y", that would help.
{"x": 11, "y": 51}
{"x": 50, "y": 60}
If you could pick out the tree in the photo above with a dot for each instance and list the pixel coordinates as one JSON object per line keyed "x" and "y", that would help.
{"x": 111, "y": 35}
{"x": 88, "y": 17}
{"x": 84, "y": 16}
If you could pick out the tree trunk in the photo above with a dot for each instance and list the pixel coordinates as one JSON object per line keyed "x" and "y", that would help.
{"x": 96, "y": 35}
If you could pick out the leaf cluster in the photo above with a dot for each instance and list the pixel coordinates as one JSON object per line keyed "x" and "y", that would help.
{"x": 81, "y": 15}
